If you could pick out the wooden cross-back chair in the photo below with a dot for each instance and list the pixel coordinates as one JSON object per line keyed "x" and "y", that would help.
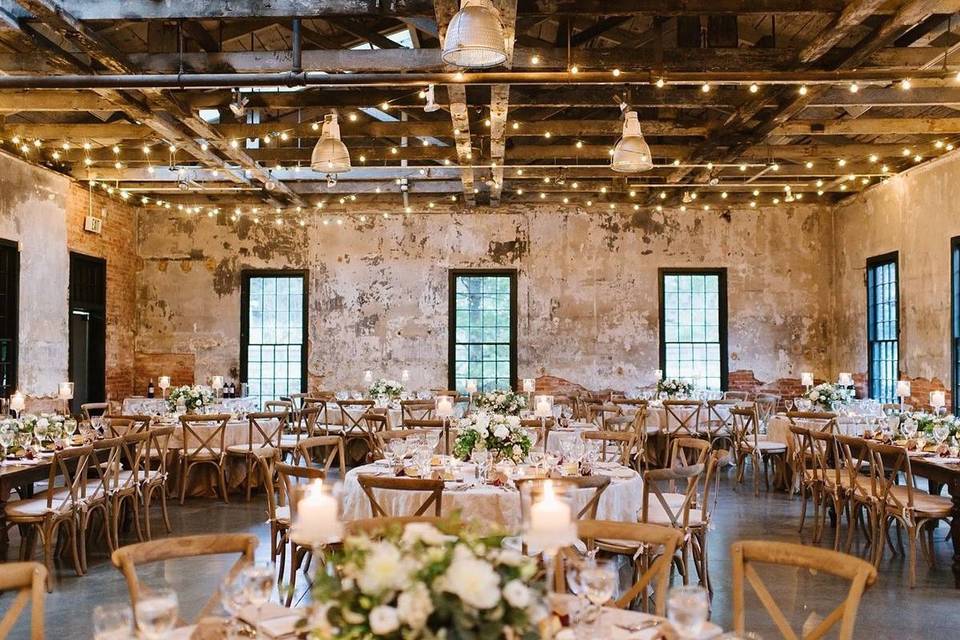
{"x": 917, "y": 511}
{"x": 682, "y": 420}
{"x": 542, "y": 427}
{"x": 373, "y": 424}
{"x": 201, "y": 449}
{"x": 599, "y": 412}
{"x": 119, "y": 424}
{"x": 820, "y": 420}
{"x": 829, "y": 480}
{"x": 331, "y": 445}
{"x": 766, "y": 404}
{"x": 687, "y": 451}
{"x": 736, "y": 395}
{"x": 282, "y": 510}
{"x": 854, "y": 458}
{"x": 264, "y": 435}
{"x": 746, "y": 554}
{"x": 322, "y": 401}
{"x": 94, "y": 409}
{"x": 651, "y": 547}
{"x": 127, "y": 493}
{"x": 97, "y": 493}
{"x": 719, "y": 423}
{"x": 615, "y": 446}
{"x": 29, "y": 579}
{"x": 155, "y": 475}
{"x": 354, "y": 427}
{"x": 433, "y": 489}
{"x": 416, "y": 410}
{"x": 804, "y": 478}
{"x": 127, "y": 558}
{"x": 747, "y": 444}
{"x": 682, "y": 501}
{"x": 49, "y": 512}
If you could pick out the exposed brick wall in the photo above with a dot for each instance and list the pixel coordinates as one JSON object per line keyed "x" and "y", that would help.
{"x": 118, "y": 246}
{"x": 150, "y": 366}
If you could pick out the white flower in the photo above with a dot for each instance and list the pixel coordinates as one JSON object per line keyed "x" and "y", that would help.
{"x": 384, "y": 570}
{"x": 511, "y": 558}
{"x": 320, "y": 623}
{"x": 815, "y": 395}
{"x": 513, "y": 421}
{"x": 425, "y": 533}
{"x": 472, "y": 580}
{"x": 501, "y": 431}
{"x": 414, "y": 606}
{"x": 517, "y": 594}
{"x": 384, "y": 620}
{"x": 43, "y": 422}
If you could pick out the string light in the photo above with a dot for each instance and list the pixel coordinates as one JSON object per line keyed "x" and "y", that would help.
{"x": 905, "y": 84}
{"x": 802, "y": 90}
{"x": 616, "y": 73}
{"x": 754, "y": 88}
{"x": 705, "y": 87}
{"x": 854, "y": 87}
{"x": 535, "y": 60}
{"x": 660, "y": 83}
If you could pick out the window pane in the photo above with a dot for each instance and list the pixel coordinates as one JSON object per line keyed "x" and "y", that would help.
{"x": 275, "y": 345}
{"x": 483, "y": 331}
{"x": 883, "y": 328}
{"x": 691, "y": 328}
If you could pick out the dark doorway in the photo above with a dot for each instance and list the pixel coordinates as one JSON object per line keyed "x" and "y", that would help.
{"x": 9, "y": 315}
{"x": 88, "y": 301}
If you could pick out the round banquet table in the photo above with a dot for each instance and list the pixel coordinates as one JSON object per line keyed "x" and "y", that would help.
{"x": 621, "y": 501}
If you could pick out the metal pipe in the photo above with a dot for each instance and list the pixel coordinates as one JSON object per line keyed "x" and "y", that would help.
{"x": 297, "y": 47}
{"x": 321, "y": 79}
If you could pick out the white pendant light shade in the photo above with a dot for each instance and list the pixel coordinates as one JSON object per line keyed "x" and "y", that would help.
{"x": 330, "y": 155}
{"x": 475, "y": 36}
{"x": 632, "y": 153}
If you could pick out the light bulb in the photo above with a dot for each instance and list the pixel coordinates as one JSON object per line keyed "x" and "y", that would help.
{"x": 854, "y": 87}
{"x": 705, "y": 87}
{"x": 905, "y": 84}
{"x": 754, "y": 88}
{"x": 802, "y": 90}
{"x": 535, "y": 60}
{"x": 660, "y": 83}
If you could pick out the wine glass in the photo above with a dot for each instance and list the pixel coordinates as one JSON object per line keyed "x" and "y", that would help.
{"x": 687, "y": 609}
{"x": 258, "y": 580}
{"x": 789, "y": 404}
{"x": 112, "y": 622}
{"x": 481, "y": 458}
{"x": 40, "y": 431}
{"x": 597, "y": 582}
{"x": 940, "y": 433}
{"x": 6, "y": 439}
{"x": 157, "y": 614}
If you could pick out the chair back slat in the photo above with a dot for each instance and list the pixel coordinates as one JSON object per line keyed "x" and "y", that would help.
{"x": 334, "y": 447}
{"x": 29, "y": 579}
{"x": 683, "y": 417}
{"x": 433, "y": 489}
{"x": 268, "y": 426}
{"x": 210, "y": 442}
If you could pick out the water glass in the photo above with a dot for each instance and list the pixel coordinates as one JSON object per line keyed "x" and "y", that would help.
{"x": 157, "y": 614}
{"x": 112, "y": 622}
{"x": 598, "y": 581}
{"x": 688, "y": 609}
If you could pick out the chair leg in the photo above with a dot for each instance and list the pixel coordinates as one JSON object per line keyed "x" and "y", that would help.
{"x": 135, "y": 501}
{"x": 223, "y": 481}
{"x": 85, "y": 518}
{"x": 163, "y": 507}
{"x": 803, "y": 507}
{"x": 294, "y": 564}
{"x": 72, "y": 531}
{"x": 184, "y": 473}
{"x": 147, "y": 499}
{"x": 250, "y": 461}
{"x": 912, "y": 554}
{"x": 46, "y": 540}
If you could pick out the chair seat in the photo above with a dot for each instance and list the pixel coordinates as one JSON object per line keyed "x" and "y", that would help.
{"x": 657, "y": 515}
{"x": 330, "y": 428}
{"x": 37, "y": 505}
{"x": 259, "y": 450}
{"x": 765, "y": 446}
{"x": 283, "y": 515}
{"x": 291, "y": 440}
{"x": 211, "y": 454}
{"x": 153, "y": 476}
{"x": 925, "y": 505}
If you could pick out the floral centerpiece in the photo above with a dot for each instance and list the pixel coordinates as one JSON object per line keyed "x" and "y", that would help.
{"x": 674, "y": 387}
{"x": 50, "y": 423}
{"x": 501, "y": 435}
{"x": 193, "y": 398}
{"x": 824, "y": 396}
{"x": 506, "y": 402}
{"x": 384, "y": 389}
{"x": 427, "y": 582}
{"x": 927, "y": 422}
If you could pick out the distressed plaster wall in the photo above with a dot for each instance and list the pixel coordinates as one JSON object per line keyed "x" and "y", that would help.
{"x": 916, "y": 214}
{"x": 588, "y": 288}
{"x": 43, "y": 212}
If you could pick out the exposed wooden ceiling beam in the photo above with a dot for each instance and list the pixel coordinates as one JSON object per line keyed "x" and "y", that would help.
{"x": 444, "y": 11}
{"x": 500, "y": 101}
{"x": 868, "y": 126}
{"x": 152, "y": 10}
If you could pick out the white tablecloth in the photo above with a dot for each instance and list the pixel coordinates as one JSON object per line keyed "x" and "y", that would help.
{"x": 621, "y": 501}
{"x": 158, "y": 406}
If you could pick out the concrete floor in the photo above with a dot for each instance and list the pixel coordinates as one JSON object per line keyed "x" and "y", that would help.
{"x": 889, "y": 610}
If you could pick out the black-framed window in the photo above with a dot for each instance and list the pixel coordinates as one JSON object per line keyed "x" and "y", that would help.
{"x": 955, "y": 320}
{"x": 693, "y": 326}
{"x": 483, "y": 328}
{"x": 883, "y": 326}
{"x": 273, "y": 333}
{"x": 9, "y": 315}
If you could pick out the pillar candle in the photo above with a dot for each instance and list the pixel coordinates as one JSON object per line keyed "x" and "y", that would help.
{"x": 65, "y": 391}
{"x": 444, "y": 406}
{"x": 938, "y": 399}
{"x": 216, "y": 382}
{"x": 368, "y": 376}
{"x": 659, "y": 374}
{"x": 529, "y": 385}
{"x": 317, "y": 518}
{"x": 471, "y": 386}
{"x": 543, "y": 406}
{"x": 549, "y": 517}
{"x": 17, "y": 402}
{"x": 806, "y": 379}
{"x": 845, "y": 380}
{"x": 903, "y": 388}
{"x": 163, "y": 382}
{"x": 404, "y": 376}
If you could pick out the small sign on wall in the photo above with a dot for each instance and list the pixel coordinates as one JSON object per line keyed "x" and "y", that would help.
{"x": 93, "y": 224}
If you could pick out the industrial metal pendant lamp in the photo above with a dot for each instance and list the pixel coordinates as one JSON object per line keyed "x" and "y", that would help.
{"x": 632, "y": 153}
{"x": 330, "y": 155}
{"x": 475, "y": 36}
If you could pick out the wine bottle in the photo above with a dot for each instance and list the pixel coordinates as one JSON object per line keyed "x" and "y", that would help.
{"x": 150, "y": 392}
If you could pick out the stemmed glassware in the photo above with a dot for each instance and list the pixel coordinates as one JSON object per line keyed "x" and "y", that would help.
{"x": 6, "y": 439}
{"x": 233, "y": 598}
{"x": 597, "y": 583}
{"x": 157, "y": 614}
{"x": 112, "y": 622}
{"x": 688, "y": 608}
{"x": 481, "y": 458}
{"x": 259, "y": 581}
